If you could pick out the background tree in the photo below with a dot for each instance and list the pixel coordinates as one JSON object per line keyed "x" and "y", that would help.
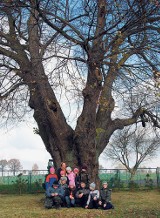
{"x": 35, "y": 169}
{"x": 89, "y": 52}
{"x": 14, "y": 165}
{"x": 3, "y": 165}
{"x": 132, "y": 147}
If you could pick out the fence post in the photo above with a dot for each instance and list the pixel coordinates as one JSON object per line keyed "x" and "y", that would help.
{"x": 158, "y": 176}
{"x": 30, "y": 181}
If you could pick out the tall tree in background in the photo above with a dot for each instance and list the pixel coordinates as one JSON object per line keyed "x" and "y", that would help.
{"x": 132, "y": 147}
{"x": 92, "y": 53}
{"x": 14, "y": 165}
{"x": 3, "y": 165}
{"x": 35, "y": 169}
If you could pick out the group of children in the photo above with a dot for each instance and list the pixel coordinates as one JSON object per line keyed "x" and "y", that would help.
{"x": 70, "y": 188}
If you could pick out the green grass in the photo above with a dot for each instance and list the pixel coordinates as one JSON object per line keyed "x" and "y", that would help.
{"x": 127, "y": 205}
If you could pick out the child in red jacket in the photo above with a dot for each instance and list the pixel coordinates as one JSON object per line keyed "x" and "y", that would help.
{"x": 51, "y": 178}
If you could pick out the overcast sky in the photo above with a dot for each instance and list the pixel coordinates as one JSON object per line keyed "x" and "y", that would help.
{"x": 21, "y": 143}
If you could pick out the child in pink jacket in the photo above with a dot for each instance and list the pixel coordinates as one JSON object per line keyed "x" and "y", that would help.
{"x": 71, "y": 176}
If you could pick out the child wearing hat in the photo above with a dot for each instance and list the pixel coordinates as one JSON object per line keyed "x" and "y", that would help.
{"x": 62, "y": 175}
{"x": 71, "y": 175}
{"x": 62, "y": 168}
{"x": 93, "y": 198}
{"x": 51, "y": 178}
{"x": 105, "y": 197}
{"x": 54, "y": 196}
{"x": 64, "y": 186}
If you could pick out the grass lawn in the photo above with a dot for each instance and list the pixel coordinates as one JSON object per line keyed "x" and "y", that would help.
{"x": 144, "y": 204}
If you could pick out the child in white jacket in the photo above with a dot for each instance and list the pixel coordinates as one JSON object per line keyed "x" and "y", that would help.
{"x": 93, "y": 198}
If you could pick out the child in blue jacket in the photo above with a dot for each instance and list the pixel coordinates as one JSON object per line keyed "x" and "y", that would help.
{"x": 54, "y": 196}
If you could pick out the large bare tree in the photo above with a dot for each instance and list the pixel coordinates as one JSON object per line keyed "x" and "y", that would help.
{"x": 88, "y": 51}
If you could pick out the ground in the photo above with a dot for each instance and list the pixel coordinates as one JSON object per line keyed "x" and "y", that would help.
{"x": 141, "y": 204}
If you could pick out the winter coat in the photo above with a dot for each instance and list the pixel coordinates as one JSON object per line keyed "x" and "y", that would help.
{"x": 52, "y": 190}
{"x": 71, "y": 192}
{"x": 64, "y": 187}
{"x": 77, "y": 181}
{"x": 105, "y": 195}
{"x": 71, "y": 176}
{"x": 93, "y": 194}
{"x": 84, "y": 178}
{"x": 85, "y": 191}
{"x": 50, "y": 179}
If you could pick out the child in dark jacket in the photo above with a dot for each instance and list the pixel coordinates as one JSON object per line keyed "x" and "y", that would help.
{"x": 105, "y": 197}
{"x": 83, "y": 175}
{"x": 70, "y": 195}
{"x": 77, "y": 177}
{"x": 82, "y": 195}
{"x": 64, "y": 186}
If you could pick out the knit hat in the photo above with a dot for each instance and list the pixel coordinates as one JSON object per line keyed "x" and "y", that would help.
{"x": 104, "y": 183}
{"x": 62, "y": 172}
{"x": 68, "y": 168}
{"x": 64, "y": 178}
{"x": 55, "y": 183}
{"x": 76, "y": 170}
{"x": 52, "y": 170}
{"x": 92, "y": 185}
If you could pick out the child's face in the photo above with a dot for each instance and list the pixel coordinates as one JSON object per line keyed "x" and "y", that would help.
{"x": 105, "y": 185}
{"x": 83, "y": 185}
{"x": 63, "y": 182}
{"x": 92, "y": 189}
{"x": 68, "y": 171}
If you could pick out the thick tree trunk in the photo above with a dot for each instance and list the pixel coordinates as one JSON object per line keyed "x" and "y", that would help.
{"x": 56, "y": 134}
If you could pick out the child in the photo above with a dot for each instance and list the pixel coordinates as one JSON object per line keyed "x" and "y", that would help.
{"x": 93, "y": 198}
{"x": 62, "y": 167}
{"x": 53, "y": 196}
{"x": 105, "y": 197}
{"x": 64, "y": 186}
{"x": 82, "y": 195}
{"x": 51, "y": 177}
{"x": 70, "y": 195}
{"x": 63, "y": 174}
{"x": 77, "y": 177}
{"x": 84, "y": 175}
{"x": 63, "y": 183}
{"x": 71, "y": 176}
